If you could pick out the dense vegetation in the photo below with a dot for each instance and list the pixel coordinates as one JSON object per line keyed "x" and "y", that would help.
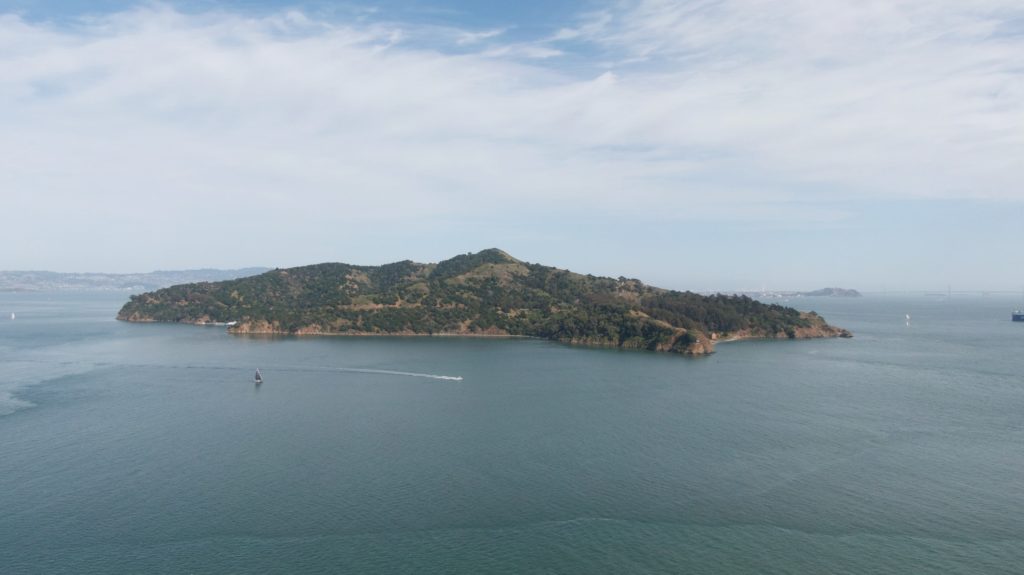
{"x": 484, "y": 293}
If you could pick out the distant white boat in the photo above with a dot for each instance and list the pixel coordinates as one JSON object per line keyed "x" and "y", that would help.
{"x": 258, "y": 378}
{"x": 12, "y": 315}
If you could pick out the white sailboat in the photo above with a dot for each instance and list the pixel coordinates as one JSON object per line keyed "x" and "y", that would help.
{"x": 258, "y": 378}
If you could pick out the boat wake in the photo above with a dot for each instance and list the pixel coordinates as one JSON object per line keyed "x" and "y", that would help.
{"x": 286, "y": 368}
{"x": 402, "y": 373}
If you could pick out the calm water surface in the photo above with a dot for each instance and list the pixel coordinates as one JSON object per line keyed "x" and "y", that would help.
{"x": 145, "y": 448}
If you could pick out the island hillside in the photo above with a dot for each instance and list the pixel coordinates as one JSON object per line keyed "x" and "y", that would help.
{"x": 486, "y": 293}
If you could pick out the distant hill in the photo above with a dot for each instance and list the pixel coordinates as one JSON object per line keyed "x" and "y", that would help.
{"x": 831, "y": 292}
{"x": 486, "y": 293}
{"x": 48, "y": 281}
{"x": 823, "y": 292}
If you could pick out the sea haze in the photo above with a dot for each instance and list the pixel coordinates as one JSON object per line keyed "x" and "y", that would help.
{"x": 146, "y": 448}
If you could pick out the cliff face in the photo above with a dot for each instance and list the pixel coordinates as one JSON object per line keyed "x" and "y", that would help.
{"x": 485, "y": 294}
{"x": 818, "y": 328}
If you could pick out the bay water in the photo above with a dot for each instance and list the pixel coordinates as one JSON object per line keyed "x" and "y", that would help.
{"x": 147, "y": 448}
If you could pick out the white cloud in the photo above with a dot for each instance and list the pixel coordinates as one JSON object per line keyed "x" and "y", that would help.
{"x": 732, "y": 109}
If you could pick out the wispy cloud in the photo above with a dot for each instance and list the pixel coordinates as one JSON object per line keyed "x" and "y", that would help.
{"x": 918, "y": 98}
{"x": 534, "y": 50}
{"x": 730, "y": 109}
{"x": 467, "y": 37}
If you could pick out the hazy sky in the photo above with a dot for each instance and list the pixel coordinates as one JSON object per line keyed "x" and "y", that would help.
{"x": 706, "y": 144}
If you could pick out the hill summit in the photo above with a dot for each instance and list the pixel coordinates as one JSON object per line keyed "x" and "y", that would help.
{"x": 483, "y": 293}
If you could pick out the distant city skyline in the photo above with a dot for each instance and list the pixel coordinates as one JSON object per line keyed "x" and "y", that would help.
{"x": 705, "y": 145}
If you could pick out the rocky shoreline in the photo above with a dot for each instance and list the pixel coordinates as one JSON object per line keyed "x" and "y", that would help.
{"x": 703, "y": 344}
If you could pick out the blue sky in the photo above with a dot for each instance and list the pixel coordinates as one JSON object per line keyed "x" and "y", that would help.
{"x": 711, "y": 144}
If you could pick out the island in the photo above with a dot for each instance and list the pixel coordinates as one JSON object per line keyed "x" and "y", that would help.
{"x": 831, "y": 292}
{"x": 488, "y": 293}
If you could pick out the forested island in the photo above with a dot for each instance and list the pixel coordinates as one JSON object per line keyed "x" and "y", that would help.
{"x": 486, "y": 293}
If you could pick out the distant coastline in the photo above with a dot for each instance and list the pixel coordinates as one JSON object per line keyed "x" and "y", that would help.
{"x": 30, "y": 281}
